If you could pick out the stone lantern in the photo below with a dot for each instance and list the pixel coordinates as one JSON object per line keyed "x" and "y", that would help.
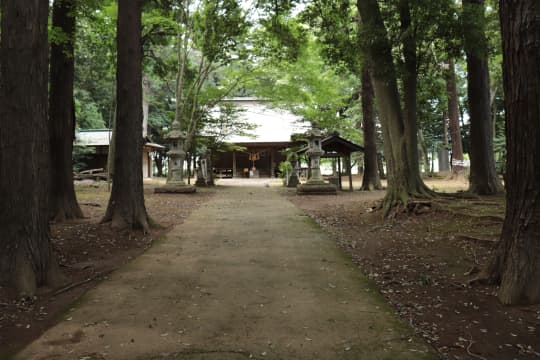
{"x": 315, "y": 184}
{"x": 177, "y": 155}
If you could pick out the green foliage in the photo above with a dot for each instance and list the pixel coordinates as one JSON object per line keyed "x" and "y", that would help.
{"x": 335, "y": 26}
{"x": 284, "y": 168}
{"x": 309, "y": 88}
{"x": 219, "y": 29}
{"x": 95, "y": 60}
{"x": 80, "y": 155}
{"x": 87, "y": 113}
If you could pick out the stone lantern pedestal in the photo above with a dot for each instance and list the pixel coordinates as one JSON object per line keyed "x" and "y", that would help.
{"x": 315, "y": 185}
{"x": 177, "y": 155}
{"x": 293, "y": 180}
{"x": 200, "y": 171}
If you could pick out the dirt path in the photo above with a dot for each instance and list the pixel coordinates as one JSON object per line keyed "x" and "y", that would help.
{"x": 247, "y": 276}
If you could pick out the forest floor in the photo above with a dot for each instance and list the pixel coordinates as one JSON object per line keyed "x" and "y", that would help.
{"x": 423, "y": 262}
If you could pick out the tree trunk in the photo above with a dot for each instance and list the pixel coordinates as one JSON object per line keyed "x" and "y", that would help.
{"x": 517, "y": 263}
{"x": 126, "y": 207}
{"x": 380, "y": 166}
{"x": 483, "y": 176}
{"x": 443, "y": 154}
{"x": 410, "y": 80}
{"x": 147, "y": 90}
{"x": 370, "y": 178}
{"x": 63, "y": 201}
{"x": 26, "y": 257}
{"x": 188, "y": 172}
{"x": 423, "y": 149}
{"x": 453, "y": 120}
{"x": 403, "y": 173}
{"x": 210, "y": 181}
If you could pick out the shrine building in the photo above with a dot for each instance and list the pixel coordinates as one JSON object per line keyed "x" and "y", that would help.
{"x": 263, "y": 152}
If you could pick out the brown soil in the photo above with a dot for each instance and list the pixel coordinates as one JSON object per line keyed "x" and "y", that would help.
{"x": 422, "y": 263}
{"x": 87, "y": 251}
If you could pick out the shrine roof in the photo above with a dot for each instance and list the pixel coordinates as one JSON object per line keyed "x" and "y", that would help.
{"x": 336, "y": 144}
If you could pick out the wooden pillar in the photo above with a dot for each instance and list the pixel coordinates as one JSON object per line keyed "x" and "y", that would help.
{"x": 234, "y": 164}
{"x": 349, "y": 169}
{"x": 272, "y": 162}
{"x": 340, "y": 186}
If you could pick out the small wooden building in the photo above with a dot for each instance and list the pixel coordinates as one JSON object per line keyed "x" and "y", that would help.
{"x": 340, "y": 149}
{"x": 99, "y": 141}
{"x": 259, "y": 159}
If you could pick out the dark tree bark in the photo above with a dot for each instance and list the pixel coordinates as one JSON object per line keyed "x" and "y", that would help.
{"x": 403, "y": 173}
{"x": 516, "y": 266}
{"x": 370, "y": 178}
{"x": 453, "y": 119}
{"x": 63, "y": 201}
{"x": 483, "y": 175}
{"x": 26, "y": 258}
{"x": 126, "y": 207}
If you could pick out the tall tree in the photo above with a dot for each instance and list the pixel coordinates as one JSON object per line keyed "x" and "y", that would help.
{"x": 483, "y": 176}
{"x": 26, "y": 258}
{"x": 214, "y": 32}
{"x": 517, "y": 263}
{"x": 403, "y": 172}
{"x": 335, "y": 24}
{"x": 63, "y": 201}
{"x": 370, "y": 178}
{"x": 410, "y": 82}
{"x": 126, "y": 207}
{"x": 453, "y": 119}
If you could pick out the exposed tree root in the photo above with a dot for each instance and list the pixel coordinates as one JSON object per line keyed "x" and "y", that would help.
{"x": 472, "y": 238}
{"x": 121, "y": 222}
{"x": 79, "y": 283}
{"x": 471, "y": 342}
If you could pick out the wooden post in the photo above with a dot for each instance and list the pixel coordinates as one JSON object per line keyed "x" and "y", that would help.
{"x": 234, "y": 164}
{"x": 339, "y": 173}
{"x": 272, "y": 162}
{"x": 349, "y": 166}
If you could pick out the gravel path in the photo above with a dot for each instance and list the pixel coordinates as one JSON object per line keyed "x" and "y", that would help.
{"x": 246, "y": 276}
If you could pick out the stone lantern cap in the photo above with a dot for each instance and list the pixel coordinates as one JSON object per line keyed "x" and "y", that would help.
{"x": 176, "y": 133}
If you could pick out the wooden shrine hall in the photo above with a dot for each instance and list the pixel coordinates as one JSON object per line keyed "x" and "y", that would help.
{"x": 338, "y": 148}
